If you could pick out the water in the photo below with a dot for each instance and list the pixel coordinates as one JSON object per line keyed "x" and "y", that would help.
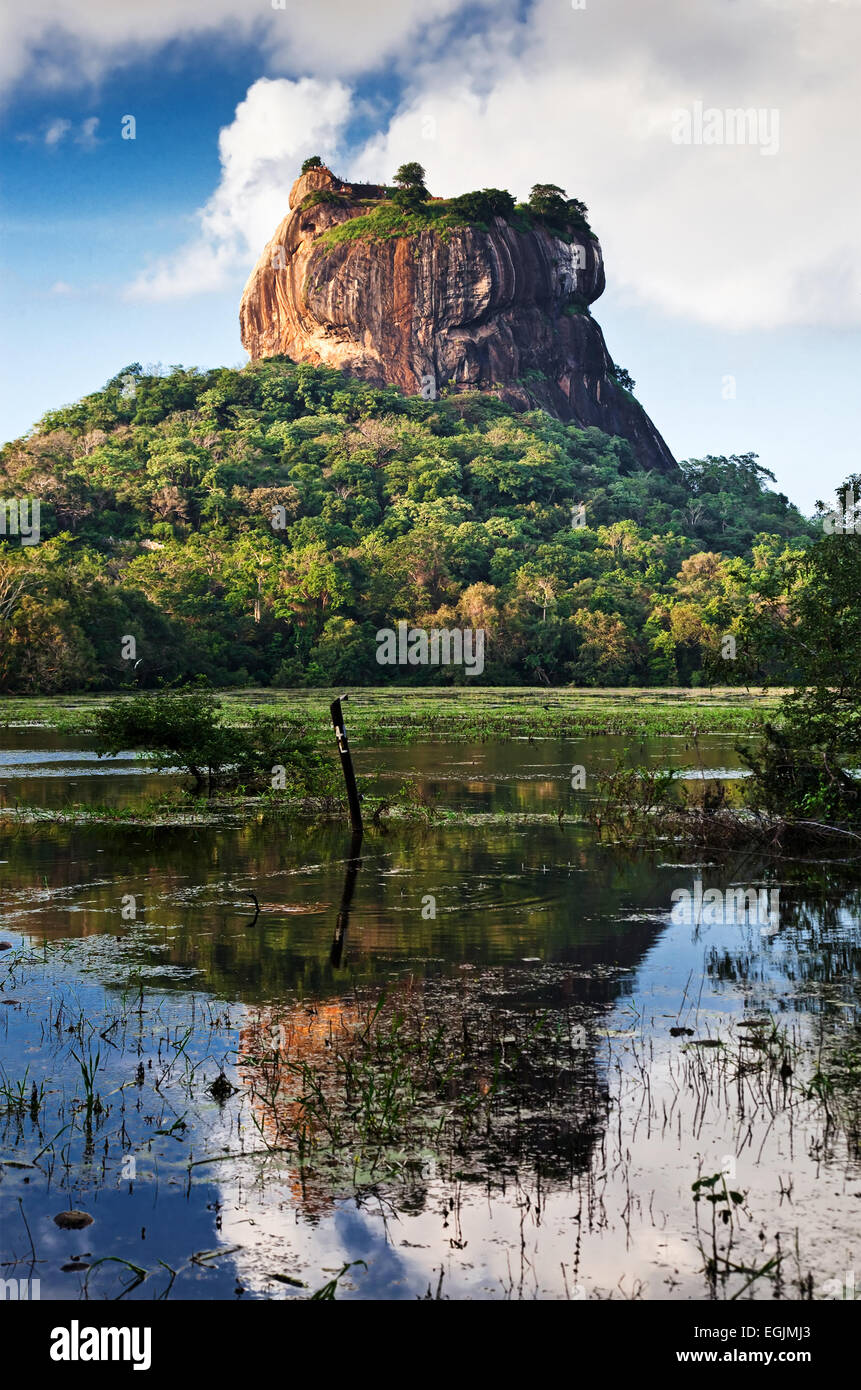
{"x": 41, "y": 768}
{"x": 548, "y": 966}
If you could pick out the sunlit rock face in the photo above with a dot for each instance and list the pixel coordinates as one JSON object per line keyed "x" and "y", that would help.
{"x": 469, "y": 309}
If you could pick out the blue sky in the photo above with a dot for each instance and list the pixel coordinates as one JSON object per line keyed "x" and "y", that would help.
{"x": 721, "y": 262}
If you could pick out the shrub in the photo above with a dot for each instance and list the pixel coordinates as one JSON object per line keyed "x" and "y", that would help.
{"x": 321, "y": 195}
{"x": 483, "y": 204}
{"x": 184, "y": 726}
{"x": 623, "y": 378}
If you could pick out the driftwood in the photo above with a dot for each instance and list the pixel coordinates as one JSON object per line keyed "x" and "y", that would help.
{"x": 725, "y": 829}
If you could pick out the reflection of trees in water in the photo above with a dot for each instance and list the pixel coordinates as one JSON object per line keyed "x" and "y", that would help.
{"x": 810, "y": 968}
{"x": 500, "y": 892}
{"x": 486, "y": 1078}
{"x": 817, "y": 945}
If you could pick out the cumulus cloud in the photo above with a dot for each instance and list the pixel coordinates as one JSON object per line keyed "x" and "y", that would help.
{"x": 589, "y": 98}
{"x": 716, "y": 232}
{"x": 279, "y": 123}
{"x": 57, "y": 43}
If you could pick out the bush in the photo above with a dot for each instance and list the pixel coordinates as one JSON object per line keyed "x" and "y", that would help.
{"x": 483, "y": 204}
{"x": 322, "y": 195}
{"x": 410, "y": 199}
{"x": 623, "y": 378}
{"x": 548, "y": 201}
{"x": 183, "y": 726}
{"x": 792, "y": 779}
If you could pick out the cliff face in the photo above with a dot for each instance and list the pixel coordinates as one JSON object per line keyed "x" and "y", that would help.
{"x": 467, "y": 309}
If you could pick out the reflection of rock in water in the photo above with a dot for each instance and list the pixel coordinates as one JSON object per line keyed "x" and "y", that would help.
{"x": 273, "y": 1048}
{"x": 481, "y": 1078}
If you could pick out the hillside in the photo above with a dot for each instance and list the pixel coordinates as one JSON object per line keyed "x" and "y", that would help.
{"x": 260, "y": 525}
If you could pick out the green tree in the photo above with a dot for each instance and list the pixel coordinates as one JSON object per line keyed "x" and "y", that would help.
{"x": 249, "y": 525}
{"x": 483, "y": 205}
{"x": 185, "y": 726}
{"x": 410, "y": 181}
{"x": 411, "y": 175}
{"x": 804, "y": 766}
{"x": 548, "y": 200}
{"x": 623, "y": 378}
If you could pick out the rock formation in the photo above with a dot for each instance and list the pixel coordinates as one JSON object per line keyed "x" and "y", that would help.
{"x": 502, "y": 309}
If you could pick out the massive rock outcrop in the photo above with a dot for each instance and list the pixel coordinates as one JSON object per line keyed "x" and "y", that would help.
{"x": 499, "y": 309}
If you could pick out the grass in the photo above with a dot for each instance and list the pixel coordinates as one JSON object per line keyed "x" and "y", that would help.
{"x": 387, "y": 220}
{"x": 381, "y": 716}
{"x": 396, "y": 714}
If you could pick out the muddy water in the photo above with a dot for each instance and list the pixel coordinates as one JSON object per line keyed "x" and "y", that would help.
{"x": 138, "y": 958}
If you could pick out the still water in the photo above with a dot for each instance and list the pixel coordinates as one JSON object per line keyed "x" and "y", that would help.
{"x": 143, "y": 964}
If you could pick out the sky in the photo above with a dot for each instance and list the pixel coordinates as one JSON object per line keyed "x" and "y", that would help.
{"x": 731, "y": 247}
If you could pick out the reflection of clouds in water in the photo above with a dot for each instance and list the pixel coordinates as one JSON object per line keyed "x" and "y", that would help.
{"x": 488, "y": 1246}
{"x": 504, "y": 892}
{"x": 18, "y": 763}
{"x": 314, "y": 1252}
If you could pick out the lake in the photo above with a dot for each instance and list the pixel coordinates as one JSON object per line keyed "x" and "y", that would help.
{"x": 196, "y": 1055}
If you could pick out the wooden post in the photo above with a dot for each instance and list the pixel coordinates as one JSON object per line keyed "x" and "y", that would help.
{"x": 347, "y": 766}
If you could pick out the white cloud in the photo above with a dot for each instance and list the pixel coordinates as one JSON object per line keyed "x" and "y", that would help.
{"x": 586, "y": 98}
{"x": 87, "y": 134}
{"x": 278, "y": 124}
{"x": 57, "y": 130}
{"x": 720, "y": 234}
{"x": 62, "y": 43}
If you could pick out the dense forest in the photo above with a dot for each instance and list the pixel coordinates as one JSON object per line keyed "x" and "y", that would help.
{"x": 259, "y": 526}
